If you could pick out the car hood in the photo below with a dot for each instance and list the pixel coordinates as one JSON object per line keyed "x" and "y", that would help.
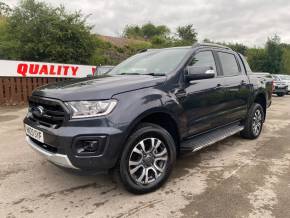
{"x": 97, "y": 88}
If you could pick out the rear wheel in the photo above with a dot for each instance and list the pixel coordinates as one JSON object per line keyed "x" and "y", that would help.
{"x": 147, "y": 159}
{"x": 254, "y": 122}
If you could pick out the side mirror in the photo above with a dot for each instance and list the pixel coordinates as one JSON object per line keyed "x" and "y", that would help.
{"x": 195, "y": 73}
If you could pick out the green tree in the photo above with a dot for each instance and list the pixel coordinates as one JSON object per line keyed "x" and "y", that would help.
{"x": 4, "y": 9}
{"x": 187, "y": 34}
{"x": 257, "y": 58}
{"x": 274, "y": 54}
{"x": 8, "y": 46}
{"x": 285, "y": 64}
{"x": 147, "y": 31}
{"x": 45, "y": 33}
{"x": 133, "y": 32}
{"x": 238, "y": 47}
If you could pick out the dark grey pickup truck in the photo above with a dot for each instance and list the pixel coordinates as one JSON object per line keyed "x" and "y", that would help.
{"x": 147, "y": 111}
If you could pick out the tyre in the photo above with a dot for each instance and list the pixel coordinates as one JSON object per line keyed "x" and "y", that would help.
{"x": 147, "y": 159}
{"x": 280, "y": 94}
{"x": 254, "y": 122}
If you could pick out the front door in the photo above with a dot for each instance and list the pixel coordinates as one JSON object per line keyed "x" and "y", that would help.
{"x": 204, "y": 98}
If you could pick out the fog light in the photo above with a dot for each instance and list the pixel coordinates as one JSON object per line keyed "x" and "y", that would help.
{"x": 87, "y": 146}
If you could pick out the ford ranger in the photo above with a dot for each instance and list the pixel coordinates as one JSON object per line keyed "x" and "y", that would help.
{"x": 147, "y": 111}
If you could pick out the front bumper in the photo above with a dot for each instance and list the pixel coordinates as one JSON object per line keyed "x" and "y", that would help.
{"x": 58, "y": 146}
{"x": 58, "y": 159}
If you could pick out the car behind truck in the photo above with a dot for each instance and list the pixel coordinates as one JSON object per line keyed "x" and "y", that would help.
{"x": 147, "y": 110}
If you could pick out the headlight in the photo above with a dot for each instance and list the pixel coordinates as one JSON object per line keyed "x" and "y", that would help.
{"x": 83, "y": 109}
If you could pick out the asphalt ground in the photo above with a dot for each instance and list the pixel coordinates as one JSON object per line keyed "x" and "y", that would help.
{"x": 232, "y": 178}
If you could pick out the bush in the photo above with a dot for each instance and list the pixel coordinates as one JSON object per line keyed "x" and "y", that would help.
{"x": 42, "y": 33}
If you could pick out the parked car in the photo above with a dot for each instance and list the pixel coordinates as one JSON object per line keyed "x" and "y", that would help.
{"x": 151, "y": 108}
{"x": 267, "y": 80}
{"x": 280, "y": 86}
{"x": 286, "y": 79}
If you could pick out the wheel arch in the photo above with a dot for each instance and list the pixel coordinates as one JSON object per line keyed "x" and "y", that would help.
{"x": 160, "y": 117}
{"x": 260, "y": 98}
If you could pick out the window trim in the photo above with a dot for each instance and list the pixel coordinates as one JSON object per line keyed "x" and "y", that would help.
{"x": 221, "y": 67}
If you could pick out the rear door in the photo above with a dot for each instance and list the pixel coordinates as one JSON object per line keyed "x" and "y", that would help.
{"x": 236, "y": 86}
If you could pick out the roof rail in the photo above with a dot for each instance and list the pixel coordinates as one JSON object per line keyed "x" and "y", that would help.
{"x": 210, "y": 45}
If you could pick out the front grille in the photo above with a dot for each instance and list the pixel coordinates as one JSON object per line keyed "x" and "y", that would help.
{"x": 53, "y": 113}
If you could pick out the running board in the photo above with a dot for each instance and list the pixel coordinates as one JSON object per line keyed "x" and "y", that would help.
{"x": 201, "y": 141}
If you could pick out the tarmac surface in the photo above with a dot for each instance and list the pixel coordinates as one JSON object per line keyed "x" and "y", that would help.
{"x": 232, "y": 178}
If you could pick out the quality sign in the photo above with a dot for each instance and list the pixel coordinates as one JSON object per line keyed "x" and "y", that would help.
{"x": 40, "y": 69}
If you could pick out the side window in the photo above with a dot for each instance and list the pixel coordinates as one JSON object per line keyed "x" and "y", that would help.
{"x": 245, "y": 62}
{"x": 229, "y": 64}
{"x": 203, "y": 59}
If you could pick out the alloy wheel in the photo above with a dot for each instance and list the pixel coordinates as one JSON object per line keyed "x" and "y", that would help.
{"x": 257, "y": 122}
{"x": 148, "y": 160}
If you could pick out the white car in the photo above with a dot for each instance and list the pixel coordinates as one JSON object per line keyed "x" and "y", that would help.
{"x": 286, "y": 79}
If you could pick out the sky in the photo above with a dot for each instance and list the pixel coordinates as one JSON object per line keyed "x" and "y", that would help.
{"x": 247, "y": 21}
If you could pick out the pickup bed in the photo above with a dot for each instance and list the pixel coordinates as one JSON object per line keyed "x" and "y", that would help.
{"x": 146, "y": 111}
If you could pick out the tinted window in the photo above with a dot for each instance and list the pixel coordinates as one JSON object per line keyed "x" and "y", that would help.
{"x": 203, "y": 59}
{"x": 247, "y": 66}
{"x": 229, "y": 64}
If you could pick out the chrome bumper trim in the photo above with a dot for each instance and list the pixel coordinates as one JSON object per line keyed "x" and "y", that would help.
{"x": 58, "y": 159}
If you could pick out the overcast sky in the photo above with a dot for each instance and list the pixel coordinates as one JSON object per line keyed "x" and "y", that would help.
{"x": 246, "y": 21}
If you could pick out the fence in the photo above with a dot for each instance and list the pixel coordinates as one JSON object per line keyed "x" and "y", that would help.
{"x": 16, "y": 90}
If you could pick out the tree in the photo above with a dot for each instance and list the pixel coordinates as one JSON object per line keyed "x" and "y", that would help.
{"x": 147, "y": 31}
{"x": 187, "y": 34}
{"x": 285, "y": 64}
{"x": 257, "y": 58}
{"x": 133, "y": 32}
{"x": 238, "y": 47}
{"x": 206, "y": 40}
{"x": 4, "y": 9}
{"x": 44, "y": 33}
{"x": 274, "y": 54}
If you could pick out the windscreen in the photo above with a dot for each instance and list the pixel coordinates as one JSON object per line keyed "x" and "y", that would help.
{"x": 155, "y": 62}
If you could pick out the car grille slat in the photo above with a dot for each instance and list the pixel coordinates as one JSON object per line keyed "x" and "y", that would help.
{"x": 53, "y": 112}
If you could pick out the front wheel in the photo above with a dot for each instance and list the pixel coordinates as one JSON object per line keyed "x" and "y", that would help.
{"x": 147, "y": 159}
{"x": 254, "y": 122}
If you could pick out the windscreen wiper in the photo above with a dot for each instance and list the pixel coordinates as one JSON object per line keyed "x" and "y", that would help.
{"x": 150, "y": 74}
{"x": 154, "y": 74}
{"x": 130, "y": 74}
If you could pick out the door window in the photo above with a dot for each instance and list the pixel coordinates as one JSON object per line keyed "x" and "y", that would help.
{"x": 203, "y": 59}
{"x": 229, "y": 64}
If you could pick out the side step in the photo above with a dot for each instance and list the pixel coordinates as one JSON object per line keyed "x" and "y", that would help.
{"x": 207, "y": 139}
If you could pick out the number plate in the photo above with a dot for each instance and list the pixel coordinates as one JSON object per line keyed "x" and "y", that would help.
{"x": 34, "y": 133}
